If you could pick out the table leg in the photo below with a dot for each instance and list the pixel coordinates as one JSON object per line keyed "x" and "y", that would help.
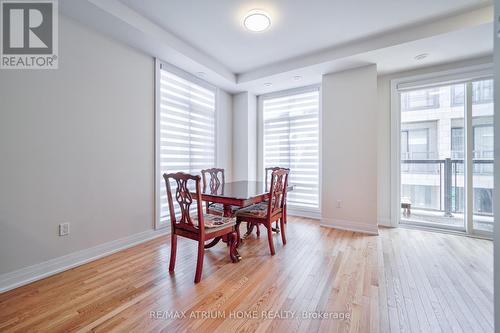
{"x": 233, "y": 247}
{"x": 249, "y": 230}
{"x": 227, "y": 211}
{"x": 231, "y": 240}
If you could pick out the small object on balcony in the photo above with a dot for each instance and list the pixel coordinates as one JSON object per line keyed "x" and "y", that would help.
{"x": 406, "y": 205}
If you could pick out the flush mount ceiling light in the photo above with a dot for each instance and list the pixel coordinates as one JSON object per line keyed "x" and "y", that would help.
{"x": 421, "y": 56}
{"x": 268, "y": 84}
{"x": 297, "y": 77}
{"x": 257, "y": 20}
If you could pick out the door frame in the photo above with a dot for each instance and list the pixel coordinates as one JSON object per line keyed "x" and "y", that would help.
{"x": 460, "y": 75}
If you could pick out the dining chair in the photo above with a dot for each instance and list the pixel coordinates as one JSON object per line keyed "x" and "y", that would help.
{"x": 269, "y": 171}
{"x": 215, "y": 183}
{"x": 267, "y": 212}
{"x": 200, "y": 228}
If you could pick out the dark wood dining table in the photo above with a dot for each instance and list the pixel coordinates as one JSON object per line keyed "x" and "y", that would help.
{"x": 239, "y": 193}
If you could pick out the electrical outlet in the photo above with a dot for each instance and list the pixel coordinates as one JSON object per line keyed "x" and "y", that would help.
{"x": 63, "y": 229}
{"x": 339, "y": 203}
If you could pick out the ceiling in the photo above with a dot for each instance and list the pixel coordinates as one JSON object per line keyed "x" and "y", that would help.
{"x": 443, "y": 48}
{"x": 307, "y": 38}
{"x": 298, "y": 27}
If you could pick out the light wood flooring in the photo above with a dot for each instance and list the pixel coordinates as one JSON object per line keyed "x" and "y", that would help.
{"x": 403, "y": 280}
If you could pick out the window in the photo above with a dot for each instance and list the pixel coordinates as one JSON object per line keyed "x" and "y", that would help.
{"x": 421, "y": 99}
{"x": 482, "y": 146}
{"x": 483, "y": 149}
{"x": 418, "y": 143}
{"x": 483, "y": 141}
{"x": 457, "y": 142}
{"x": 291, "y": 139}
{"x": 415, "y": 146}
{"x": 457, "y": 94}
{"x": 185, "y": 129}
{"x": 482, "y": 93}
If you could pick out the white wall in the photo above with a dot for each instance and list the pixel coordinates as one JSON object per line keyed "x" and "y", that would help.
{"x": 77, "y": 146}
{"x": 384, "y": 130}
{"x": 244, "y": 136}
{"x": 225, "y": 133}
{"x": 349, "y": 149}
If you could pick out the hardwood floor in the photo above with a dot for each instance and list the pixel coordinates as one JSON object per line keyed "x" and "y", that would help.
{"x": 400, "y": 281}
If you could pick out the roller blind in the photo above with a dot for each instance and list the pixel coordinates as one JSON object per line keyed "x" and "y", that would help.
{"x": 452, "y": 77}
{"x": 291, "y": 139}
{"x": 186, "y": 129}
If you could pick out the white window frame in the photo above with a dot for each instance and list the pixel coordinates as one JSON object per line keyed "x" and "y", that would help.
{"x": 440, "y": 78}
{"x": 159, "y": 64}
{"x": 304, "y": 212}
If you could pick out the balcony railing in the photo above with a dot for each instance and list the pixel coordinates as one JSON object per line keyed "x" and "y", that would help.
{"x": 450, "y": 173}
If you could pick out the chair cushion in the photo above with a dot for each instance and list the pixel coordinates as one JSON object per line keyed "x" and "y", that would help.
{"x": 256, "y": 211}
{"x": 220, "y": 207}
{"x": 215, "y": 221}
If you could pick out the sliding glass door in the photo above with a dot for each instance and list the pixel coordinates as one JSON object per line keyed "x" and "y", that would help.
{"x": 482, "y": 155}
{"x": 432, "y": 155}
{"x": 446, "y": 165}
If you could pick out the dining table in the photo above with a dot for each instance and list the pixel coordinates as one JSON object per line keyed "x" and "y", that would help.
{"x": 238, "y": 193}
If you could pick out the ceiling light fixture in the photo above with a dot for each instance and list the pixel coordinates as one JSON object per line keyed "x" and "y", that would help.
{"x": 201, "y": 74}
{"x": 297, "y": 77}
{"x": 257, "y": 20}
{"x": 268, "y": 84}
{"x": 421, "y": 56}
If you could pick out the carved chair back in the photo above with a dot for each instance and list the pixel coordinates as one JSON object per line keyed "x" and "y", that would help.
{"x": 279, "y": 183}
{"x": 185, "y": 197}
{"x": 269, "y": 171}
{"x": 215, "y": 182}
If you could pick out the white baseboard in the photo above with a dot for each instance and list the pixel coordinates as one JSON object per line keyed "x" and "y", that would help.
{"x": 365, "y": 228}
{"x": 42, "y": 270}
{"x": 304, "y": 213}
{"x": 386, "y": 222}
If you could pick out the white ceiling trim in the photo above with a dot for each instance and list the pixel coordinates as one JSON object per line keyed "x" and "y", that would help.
{"x": 141, "y": 23}
{"x": 114, "y": 18}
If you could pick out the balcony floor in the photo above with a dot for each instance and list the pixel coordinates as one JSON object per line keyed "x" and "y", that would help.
{"x": 483, "y": 223}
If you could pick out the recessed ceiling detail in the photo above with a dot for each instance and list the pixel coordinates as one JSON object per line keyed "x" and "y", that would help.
{"x": 301, "y": 42}
{"x": 298, "y": 28}
{"x": 421, "y": 56}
